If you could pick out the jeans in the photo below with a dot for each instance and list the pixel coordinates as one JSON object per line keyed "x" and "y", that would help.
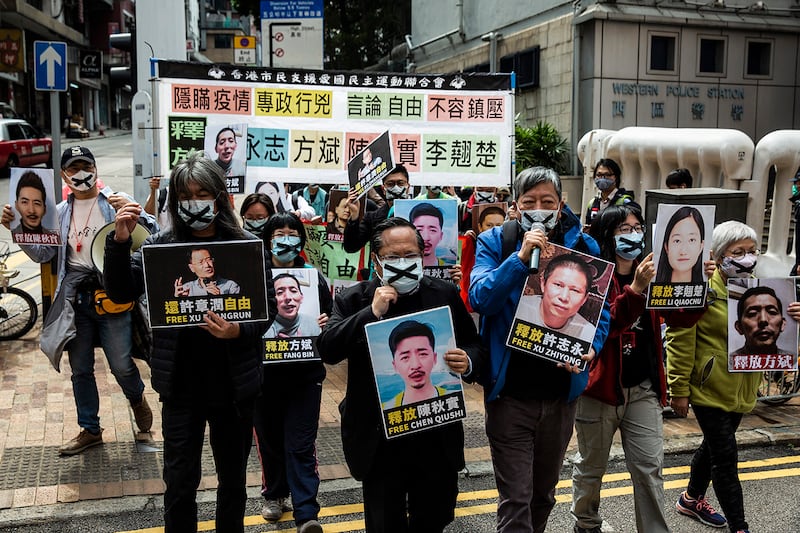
{"x": 114, "y": 334}
{"x": 528, "y": 440}
{"x": 640, "y": 423}
{"x": 717, "y": 459}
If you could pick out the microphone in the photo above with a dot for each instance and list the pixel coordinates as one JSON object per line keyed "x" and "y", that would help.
{"x": 534, "y": 264}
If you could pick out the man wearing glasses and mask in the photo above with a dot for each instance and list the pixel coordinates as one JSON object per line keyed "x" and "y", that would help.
{"x": 421, "y": 468}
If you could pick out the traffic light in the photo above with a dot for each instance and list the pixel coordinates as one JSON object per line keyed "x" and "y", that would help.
{"x": 124, "y": 75}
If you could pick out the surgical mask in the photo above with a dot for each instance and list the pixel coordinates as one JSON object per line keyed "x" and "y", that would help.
{"x": 396, "y": 193}
{"x": 739, "y": 268}
{"x": 435, "y": 190}
{"x": 604, "y": 184}
{"x": 198, "y": 214}
{"x": 484, "y": 197}
{"x": 82, "y": 180}
{"x": 630, "y": 245}
{"x": 545, "y": 217}
{"x": 402, "y": 274}
{"x": 255, "y": 226}
{"x": 285, "y": 249}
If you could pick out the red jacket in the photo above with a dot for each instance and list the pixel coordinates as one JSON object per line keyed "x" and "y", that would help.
{"x": 605, "y": 370}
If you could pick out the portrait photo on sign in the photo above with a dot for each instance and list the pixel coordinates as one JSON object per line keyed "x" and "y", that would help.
{"x": 407, "y": 355}
{"x": 681, "y": 242}
{"x": 33, "y": 201}
{"x": 371, "y": 164}
{"x": 437, "y": 222}
{"x": 761, "y": 334}
{"x": 297, "y": 295}
{"x": 560, "y": 306}
{"x": 226, "y": 144}
{"x": 184, "y": 281}
{"x": 340, "y": 212}
{"x": 487, "y": 216}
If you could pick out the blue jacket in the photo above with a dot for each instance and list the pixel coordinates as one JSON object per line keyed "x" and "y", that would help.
{"x": 495, "y": 287}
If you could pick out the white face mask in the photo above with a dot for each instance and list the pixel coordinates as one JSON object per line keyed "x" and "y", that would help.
{"x": 484, "y": 197}
{"x": 402, "y": 274}
{"x": 739, "y": 268}
{"x": 198, "y": 214}
{"x": 82, "y": 180}
{"x": 396, "y": 193}
{"x": 546, "y": 217}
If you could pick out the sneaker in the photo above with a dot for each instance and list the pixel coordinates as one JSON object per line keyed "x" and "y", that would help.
{"x": 699, "y": 509}
{"x": 312, "y": 526}
{"x": 273, "y": 509}
{"x": 579, "y": 529}
{"x": 84, "y": 440}
{"x": 143, "y": 415}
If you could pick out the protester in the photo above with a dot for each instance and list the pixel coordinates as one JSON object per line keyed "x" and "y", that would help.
{"x": 255, "y": 210}
{"x": 626, "y": 389}
{"x": 697, "y": 373}
{"x": 607, "y": 179}
{"x": 287, "y": 414}
{"x": 530, "y": 402}
{"x": 408, "y": 483}
{"x": 680, "y": 178}
{"x": 209, "y": 374}
{"x": 73, "y": 323}
{"x": 157, "y": 205}
{"x": 316, "y": 196}
{"x": 479, "y": 195}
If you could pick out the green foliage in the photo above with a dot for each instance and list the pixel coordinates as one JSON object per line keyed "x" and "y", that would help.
{"x": 541, "y": 145}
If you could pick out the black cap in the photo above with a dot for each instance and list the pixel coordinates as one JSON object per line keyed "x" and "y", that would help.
{"x": 76, "y": 153}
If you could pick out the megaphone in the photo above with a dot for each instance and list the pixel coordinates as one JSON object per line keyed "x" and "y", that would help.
{"x": 138, "y": 236}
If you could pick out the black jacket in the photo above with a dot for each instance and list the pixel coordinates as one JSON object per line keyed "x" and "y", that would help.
{"x": 344, "y": 338}
{"x": 124, "y": 281}
{"x": 357, "y": 233}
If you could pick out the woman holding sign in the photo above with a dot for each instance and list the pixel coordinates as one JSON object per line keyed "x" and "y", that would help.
{"x": 209, "y": 374}
{"x": 626, "y": 387}
{"x": 697, "y": 372}
{"x": 287, "y": 414}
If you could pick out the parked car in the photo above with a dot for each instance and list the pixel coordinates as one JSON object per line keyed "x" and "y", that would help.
{"x": 22, "y": 145}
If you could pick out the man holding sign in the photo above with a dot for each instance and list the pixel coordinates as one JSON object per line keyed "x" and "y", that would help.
{"x": 419, "y": 468}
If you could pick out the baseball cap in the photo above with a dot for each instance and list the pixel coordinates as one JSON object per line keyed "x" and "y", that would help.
{"x": 76, "y": 153}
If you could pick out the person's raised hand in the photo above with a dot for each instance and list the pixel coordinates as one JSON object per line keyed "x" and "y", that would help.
{"x": 644, "y": 274}
{"x": 457, "y": 360}
{"x": 383, "y": 298}
{"x": 125, "y": 221}
{"x": 219, "y": 327}
{"x": 322, "y": 320}
{"x": 8, "y": 216}
{"x": 575, "y": 369}
{"x": 534, "y": 238}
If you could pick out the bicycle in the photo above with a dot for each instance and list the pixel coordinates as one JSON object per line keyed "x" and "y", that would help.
{"x": 18, "y": 309}
{"x": 777, "y": 387}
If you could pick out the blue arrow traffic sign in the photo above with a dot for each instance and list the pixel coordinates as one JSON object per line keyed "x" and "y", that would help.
{"x": 50, "y": 65}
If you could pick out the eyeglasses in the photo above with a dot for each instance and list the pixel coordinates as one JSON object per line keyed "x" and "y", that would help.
{"x": 739, "y": 253}
{"x": 412, "y": 257}
{"x": 627, "y": 229}
{"x": 205, "y": 261}
{"x": 604, "y": 175}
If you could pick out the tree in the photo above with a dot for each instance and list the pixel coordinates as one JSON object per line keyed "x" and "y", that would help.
{"x": 358, "y": 33}
{"x": 541, "y": 145}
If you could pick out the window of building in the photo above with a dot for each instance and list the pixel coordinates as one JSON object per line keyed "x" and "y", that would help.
{"x": 222, "y": 40}
{"x": 712, "y": 56}
{"x": 525, "y": 64}
{"x": 759, "y": 58}
{"x": 662, "y": 53}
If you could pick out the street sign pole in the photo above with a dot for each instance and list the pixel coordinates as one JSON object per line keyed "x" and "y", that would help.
{"x": 55, "y": 134}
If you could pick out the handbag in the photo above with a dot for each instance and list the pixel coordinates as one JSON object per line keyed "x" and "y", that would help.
{"x": 103, "y": 305}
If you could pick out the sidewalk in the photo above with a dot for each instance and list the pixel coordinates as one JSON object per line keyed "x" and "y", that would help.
{"x": 37, "y": 415}
{"x": 94, "y": 135}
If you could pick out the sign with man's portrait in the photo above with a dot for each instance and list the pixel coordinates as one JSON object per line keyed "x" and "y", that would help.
{"x": 487, "y": 216}
{"x": 437, "y": 222}
{"x": 340, "y": 212}
{"x": 681, "y": 243}
{"x": 33, "y": 202}
{"x": 761, "y": 334}
{"x": 183, "y": 281}
{"x": 226, "y": 144}
{"x": 417, "y": 391}
{"x": 560, "y": 306}
{"x": 371, "y": 164}
{"x": 292, "y": 335}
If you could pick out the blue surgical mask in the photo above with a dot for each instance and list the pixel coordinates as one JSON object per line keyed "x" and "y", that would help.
{"x": 544, "y": 217}
{"x": 630, "y": 245}
{"x": 402, "y": 274}
{"x": 285, "y": 249}
{"x": 197, "y": 214}
{"x": 604, "y": 184}
{"x": 255, "y": 226}
{"x": 739, "y": 268}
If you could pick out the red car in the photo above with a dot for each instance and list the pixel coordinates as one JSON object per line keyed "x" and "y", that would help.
{"x": 22, "y": 145}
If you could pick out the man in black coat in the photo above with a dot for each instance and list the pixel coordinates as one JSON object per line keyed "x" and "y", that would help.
{"x": 410, "y": 483}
